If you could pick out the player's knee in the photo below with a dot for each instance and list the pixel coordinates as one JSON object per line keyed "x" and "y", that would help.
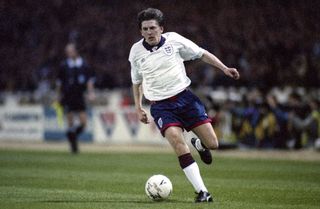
{"x": 172, "y": 134}
{"x": 177, "y": 143}
{"x": 181, "y": 148}
{"x": 176, "y": 140}
{"x": 213, "y": 145}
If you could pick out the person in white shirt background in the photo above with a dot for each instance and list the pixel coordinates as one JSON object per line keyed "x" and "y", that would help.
{"x": 158, "y": 73}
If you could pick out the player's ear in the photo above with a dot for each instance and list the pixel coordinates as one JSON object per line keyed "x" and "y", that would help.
{"x": 161, "y": 29}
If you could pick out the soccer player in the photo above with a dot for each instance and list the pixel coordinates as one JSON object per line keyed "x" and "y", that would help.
{"x": 74, "y": 79}
{"x": 158, "y": 73}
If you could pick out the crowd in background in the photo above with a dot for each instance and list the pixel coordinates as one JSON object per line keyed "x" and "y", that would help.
{"x": 280, "y": 118}
{"x": 271, "y": 43}
{"x": 284, "y": 118}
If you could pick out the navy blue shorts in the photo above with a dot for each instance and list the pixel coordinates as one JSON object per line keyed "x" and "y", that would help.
{"x": 73, "y": 103}
{"x": 184, "y": 110}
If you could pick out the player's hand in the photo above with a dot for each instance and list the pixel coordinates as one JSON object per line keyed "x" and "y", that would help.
{"x": 232, "y": 72}
{"x": 143, "y": 117}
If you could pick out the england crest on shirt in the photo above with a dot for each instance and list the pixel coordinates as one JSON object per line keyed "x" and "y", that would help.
{"x": 168, "y": 50}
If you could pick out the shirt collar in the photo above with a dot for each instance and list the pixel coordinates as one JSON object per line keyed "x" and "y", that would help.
{"x": 156, "y": 47}
{"x": 75, "y": 63}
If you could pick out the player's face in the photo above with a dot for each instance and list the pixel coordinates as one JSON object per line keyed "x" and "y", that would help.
{"x": 151, "y": 31}
{"x": 71, "y": 51}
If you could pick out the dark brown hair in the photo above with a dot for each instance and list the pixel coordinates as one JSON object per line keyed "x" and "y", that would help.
{"x": 150, "y": 14}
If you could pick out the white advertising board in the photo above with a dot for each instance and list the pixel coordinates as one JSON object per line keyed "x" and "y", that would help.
{"x": 21, "y": 122}
{"x": 120, "y": 126}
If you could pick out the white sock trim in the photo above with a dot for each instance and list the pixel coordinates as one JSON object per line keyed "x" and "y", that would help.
{"x": 193, "y": 175}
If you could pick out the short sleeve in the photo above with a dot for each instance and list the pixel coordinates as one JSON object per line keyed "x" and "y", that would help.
{"x": 136, "y": 77}
{"x": 189, "y": 50}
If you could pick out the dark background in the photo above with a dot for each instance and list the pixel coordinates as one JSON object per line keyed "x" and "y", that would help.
{"x": 272, "y": 43}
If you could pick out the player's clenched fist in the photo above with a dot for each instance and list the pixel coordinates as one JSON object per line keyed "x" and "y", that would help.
{"x": 232, "y": 72}
{"x": 143, "y": 117}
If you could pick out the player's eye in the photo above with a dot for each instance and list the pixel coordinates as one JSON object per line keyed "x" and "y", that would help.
{"x": 149, "y": 28}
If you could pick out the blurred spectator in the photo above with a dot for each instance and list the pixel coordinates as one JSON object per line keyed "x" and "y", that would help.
{"x": 271, "y": 42}
{"x": 309, "y": 124}
{"x": 75, "y": 82}
{"x": 257, "y": 119}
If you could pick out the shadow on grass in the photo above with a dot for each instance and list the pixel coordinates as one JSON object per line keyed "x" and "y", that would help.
{"x": 170, "y": 201}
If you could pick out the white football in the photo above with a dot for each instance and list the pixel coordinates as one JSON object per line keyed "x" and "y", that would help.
{"x": 158, "y": 187}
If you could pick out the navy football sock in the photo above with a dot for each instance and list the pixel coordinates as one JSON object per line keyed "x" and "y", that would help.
{"x": 79, "y": 129}
{"x": 185, "y": 160}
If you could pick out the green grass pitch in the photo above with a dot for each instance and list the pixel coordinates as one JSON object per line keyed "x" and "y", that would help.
{"x": 58, "y": 180}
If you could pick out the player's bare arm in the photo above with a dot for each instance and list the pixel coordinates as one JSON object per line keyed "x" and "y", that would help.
{"x": 214, "y": 61}
{"x": 137, "y": 94}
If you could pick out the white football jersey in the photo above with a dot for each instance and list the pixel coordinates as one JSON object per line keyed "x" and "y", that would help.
{"x": 162, "y": 71}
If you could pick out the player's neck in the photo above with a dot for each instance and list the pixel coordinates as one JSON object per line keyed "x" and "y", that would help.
{"x": 75, "y": 58}
{"x": 153, "y": 48}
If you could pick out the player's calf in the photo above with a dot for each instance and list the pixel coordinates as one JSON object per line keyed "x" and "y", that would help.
{"x": 72, "y": 138}
{"x": 79, "y": 129}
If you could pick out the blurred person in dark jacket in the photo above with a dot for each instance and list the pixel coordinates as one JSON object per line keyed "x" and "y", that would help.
{"x": 311, "y": 123}
{"x": 75, "y": 78}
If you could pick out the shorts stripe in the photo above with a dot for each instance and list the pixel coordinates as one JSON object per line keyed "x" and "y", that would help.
{"x": 169, "y": 125}
{"x": 185, "y": 111}
{"x": 198, "y": 124}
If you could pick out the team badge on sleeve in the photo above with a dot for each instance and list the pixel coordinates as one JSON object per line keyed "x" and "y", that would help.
{"x": 168, "y": 50}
